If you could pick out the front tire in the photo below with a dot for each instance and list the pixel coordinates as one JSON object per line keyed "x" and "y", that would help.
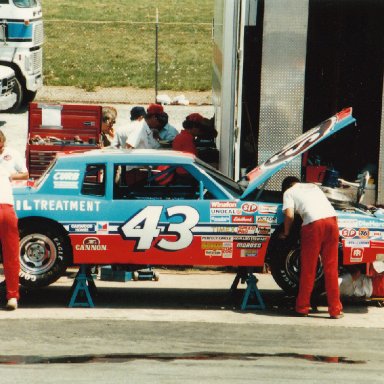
{"x": 284, "y": 261}
{"x": 45, "y": 253}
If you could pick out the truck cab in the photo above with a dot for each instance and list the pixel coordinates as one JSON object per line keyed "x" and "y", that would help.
{"x": 21, "y": 40}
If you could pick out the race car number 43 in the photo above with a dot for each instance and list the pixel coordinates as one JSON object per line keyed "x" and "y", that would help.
{"x": 143, "y": 227}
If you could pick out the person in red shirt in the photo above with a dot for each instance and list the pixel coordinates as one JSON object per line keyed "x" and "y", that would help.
{"x": 185, "y": 140}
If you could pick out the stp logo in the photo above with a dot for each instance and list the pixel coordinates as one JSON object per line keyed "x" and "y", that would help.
{"x": 249, "y": 207}
{"x": 348, "y": 232}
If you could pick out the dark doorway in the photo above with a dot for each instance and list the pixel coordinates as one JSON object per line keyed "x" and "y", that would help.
{"x": 344, "y": 68}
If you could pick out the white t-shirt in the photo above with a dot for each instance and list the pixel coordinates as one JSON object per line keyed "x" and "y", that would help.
{"x": 6, "y": 195}
{"x": 360, "y": 287}
{"x": 13, "y": 161}
{"x": 140, "y": 135}
{"x": 121, "y": 135}
{"x": 309, "y": 201}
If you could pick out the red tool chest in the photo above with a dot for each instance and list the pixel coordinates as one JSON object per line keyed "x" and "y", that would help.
{"x": 54, "y": 128}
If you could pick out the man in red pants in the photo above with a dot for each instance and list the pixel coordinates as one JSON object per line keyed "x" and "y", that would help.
{"x": 319, "y": 236}
{"x": 9, "y": 238}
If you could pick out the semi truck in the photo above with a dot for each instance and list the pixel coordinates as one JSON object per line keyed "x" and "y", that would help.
{"x": 21, "y": 41}
{"x": 281, "y": 65}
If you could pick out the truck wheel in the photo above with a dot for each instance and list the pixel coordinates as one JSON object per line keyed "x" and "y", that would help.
{"x": 19, "y": 90}
{"x": 45, "y": 254}
{"x": 29, "y": 96}
{"x": 284, "y": 261}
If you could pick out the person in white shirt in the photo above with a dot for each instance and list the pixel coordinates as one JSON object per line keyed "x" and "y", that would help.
{"x": 319, "y": 235}
{"x": 9, "y": 238}
{"x": 12, "y": 160}
{"x": 121, "y": 135}
{"x": 140, "y": 134}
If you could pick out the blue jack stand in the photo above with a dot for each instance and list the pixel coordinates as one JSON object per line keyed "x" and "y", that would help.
{"x": 252, "y": 291}
{"x": 82, "y": 285}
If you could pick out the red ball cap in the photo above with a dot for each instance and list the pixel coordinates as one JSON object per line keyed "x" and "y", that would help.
{"x": 155, "y": 109}
{"x": 195, "y": 117}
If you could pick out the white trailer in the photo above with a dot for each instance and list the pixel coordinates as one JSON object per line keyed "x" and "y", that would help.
{"x": 281, "y": 66}
{"x": 21, "y": 40}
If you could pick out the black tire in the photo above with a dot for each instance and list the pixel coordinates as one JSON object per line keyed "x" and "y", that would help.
{"x": 29, "y": 96}
{"x": 45, "y": 253}
{"x": 284, "y": 262}
{"x": 19, "y": 90}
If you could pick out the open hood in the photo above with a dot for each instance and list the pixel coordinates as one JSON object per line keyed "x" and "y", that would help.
{"x": 304, "y": 142}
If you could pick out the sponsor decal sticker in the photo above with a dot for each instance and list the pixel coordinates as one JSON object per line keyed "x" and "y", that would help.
{"x": 267, "y": 219}
{"x": 223, "y": 204}
{"x": 212, "y": 252}
{"x": 57, "y": 205}
{"x": 246, "y": 229}
{"x": 348, "y": 232}
{"x": 267, "y": 209}
{"x": 82, "y": 227}
{"x": 212, "y": 245}
{"x": 225, "y": 211}
{"x": 220, "y": 229}
{"x": 91, "y": 244}
{"x": 249, "y": 245}
{"x": 102, "y": 226}
{"x": 220, "y": 219}
{"x": 249, "y": 207}
{"x": 357, "y": 243}
{"x": 356, "y": 255}
{"x": 364, "y": 233}
{"x": 66, "y": 179}
{"x": 260, "y": 239}
{"x": 217, "y": 238}
{"x": 264, "y": 230}
{"x": 243, "y": 219}
{"x": 249, "y": 253}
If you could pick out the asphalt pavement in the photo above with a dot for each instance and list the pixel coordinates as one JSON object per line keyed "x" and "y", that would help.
{"x": 187, "y": 327}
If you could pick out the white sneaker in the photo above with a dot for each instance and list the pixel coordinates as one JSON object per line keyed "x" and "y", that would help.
{"x": 11, "y": 304}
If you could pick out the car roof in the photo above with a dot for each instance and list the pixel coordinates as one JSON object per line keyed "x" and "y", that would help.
{"x": 129, "y": 155}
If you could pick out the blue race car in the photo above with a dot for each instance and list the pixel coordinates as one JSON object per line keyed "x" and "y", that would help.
{"x": 161, "y": 207}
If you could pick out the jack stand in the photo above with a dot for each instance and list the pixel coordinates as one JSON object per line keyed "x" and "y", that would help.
{"x": 252, "y": 291}
{"x": 82, "y": 285}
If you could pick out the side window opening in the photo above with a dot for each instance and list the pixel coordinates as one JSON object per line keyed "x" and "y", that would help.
{"x": 163, "y": 182}
{"x": 94, "y": 180}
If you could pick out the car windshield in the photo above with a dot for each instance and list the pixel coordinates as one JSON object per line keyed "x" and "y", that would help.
{"x": 25, "y": 3}
{"x": 43, "y": 176}
{"x": 230, "y": 185}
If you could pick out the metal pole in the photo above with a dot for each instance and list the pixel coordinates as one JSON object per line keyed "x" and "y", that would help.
{"x": 156, "y": 53}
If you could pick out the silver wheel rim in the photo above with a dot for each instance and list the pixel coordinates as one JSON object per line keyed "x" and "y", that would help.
{"x": 37, "y": 254}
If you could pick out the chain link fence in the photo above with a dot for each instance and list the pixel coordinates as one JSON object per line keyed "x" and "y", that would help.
{"x": 115, "y": 61}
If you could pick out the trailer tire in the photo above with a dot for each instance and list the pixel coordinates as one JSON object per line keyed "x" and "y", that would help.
{"x": 284, "y": 262}
{"x": 45, "y": 253}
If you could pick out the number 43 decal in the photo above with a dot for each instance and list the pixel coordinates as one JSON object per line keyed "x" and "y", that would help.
{"x": 144, "y": 227}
